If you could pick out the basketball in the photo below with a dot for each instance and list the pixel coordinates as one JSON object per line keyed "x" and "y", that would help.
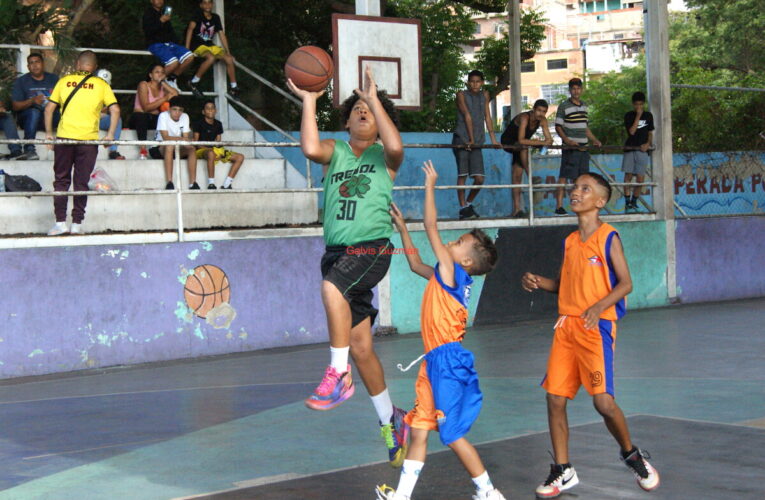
{"x": 164, "y": 106}
{"x": 309, "y": 68}
{"x": 207, "y": 288}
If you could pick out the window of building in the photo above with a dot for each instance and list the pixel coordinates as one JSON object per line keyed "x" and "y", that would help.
{"x": 499, "y": 28}
{"x": 528, "y": 67}
{"x": 525, "y": 101}
{"x": 557, "y": 64}
{"x": 618, "y": 36}
{"x": 477, "y": 28}
{"x": 554, "y": 92}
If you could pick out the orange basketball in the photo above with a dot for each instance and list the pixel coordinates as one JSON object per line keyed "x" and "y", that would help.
{"x": 309, "y": 68}
{"x": 207, "y": 288}
{"x": 164, "y": 106}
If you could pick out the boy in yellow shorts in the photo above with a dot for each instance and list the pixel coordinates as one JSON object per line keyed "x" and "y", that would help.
{"x": 449, "y": 398}
{"x": 210, "y": 129}
{"x": 200, "y": 34}
{"x": 593, "y": 283}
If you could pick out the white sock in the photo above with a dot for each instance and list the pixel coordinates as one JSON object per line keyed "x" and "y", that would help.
{"x": 483, "y": 483}
{"x": 227, "y": 182}
{"x": 195, "y": 79}
{"x": 410, "y": 473}
{"x": 383, "y": 406}
{"x": 339, "y": 359}
{"x": 233, "y": 85}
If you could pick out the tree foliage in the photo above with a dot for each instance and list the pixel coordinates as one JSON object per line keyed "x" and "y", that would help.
{"x": 23, "y": 24}
{"x": 262, "y": 34}
{"x": 714, "y": 43}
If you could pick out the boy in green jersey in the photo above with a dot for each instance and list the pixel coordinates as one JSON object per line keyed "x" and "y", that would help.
{"x": 358, "y": 187}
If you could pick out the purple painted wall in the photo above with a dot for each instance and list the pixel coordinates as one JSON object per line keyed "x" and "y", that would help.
{"x": 72, "y": 308}
{"x": 720, "y": 259}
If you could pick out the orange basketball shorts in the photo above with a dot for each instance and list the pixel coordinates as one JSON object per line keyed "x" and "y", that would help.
{"x": 581, "y": 357}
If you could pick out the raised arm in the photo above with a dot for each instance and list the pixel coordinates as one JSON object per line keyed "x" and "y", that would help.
{"x": 313, "y": 148}
{"x": 390, "y": 137}
{"x": 445, "y": 261}
{"x": 411, "y": 252}
{"x": 622, "y": 288}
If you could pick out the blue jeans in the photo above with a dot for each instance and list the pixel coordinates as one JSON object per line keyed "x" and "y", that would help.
{"x": 103, "y": 124}
{"x": 9, "y": 128}
{"x": 31, "y": 120}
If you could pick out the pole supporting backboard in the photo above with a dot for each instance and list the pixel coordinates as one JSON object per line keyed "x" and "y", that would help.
{"x": 368, "y": 8}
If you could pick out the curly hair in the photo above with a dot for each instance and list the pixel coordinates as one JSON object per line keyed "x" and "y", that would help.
{"x": 347, "y": 107}
{"x": 484, "y": 253}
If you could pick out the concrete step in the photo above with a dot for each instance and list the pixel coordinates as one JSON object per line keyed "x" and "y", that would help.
{"x": 214, "y": 209}
{"x": 131, "y": 152}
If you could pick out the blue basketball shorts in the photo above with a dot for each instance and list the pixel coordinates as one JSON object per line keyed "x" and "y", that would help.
{"x": 169, "y": 53}
{"x": 449, "y": 398}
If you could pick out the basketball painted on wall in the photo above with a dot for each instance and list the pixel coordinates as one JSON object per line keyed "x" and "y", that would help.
{"x": 206, "y": 288}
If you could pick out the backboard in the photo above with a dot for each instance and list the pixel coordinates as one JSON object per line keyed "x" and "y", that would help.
{"x": 390, "y": 46}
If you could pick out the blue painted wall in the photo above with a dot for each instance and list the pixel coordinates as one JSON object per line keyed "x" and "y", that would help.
{"x": 72, "y": 308}
{"x": 705, "y": 183}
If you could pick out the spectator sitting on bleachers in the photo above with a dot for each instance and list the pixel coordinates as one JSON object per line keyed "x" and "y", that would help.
{"x": 200, "y": 36}
{"x": 153, "y": 96}
{"x": 210, "y": 129}
{"x": 162, "y": 42}
{"x": 173, "y": 125}
{"x": 8, "y": 125}
{"x": 106, "y": 120}
{"x": 30, "y": 95}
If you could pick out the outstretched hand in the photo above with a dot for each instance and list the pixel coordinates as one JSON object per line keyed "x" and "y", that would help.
{"x": 431, "y": 176}
{"x": 303, "y": 94}
{"x": 397, "y": 216}
{"x": 369, "y": 92}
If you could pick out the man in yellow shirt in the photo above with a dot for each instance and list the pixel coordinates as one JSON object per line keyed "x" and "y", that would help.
{"x": 81, "y": 96}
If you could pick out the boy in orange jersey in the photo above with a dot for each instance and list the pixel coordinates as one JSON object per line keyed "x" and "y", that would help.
{"x": 448, "y": 396}
{"x": 593, "y": 283}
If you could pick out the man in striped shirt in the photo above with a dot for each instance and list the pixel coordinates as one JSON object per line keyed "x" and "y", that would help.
{"x": 571, "y": 126}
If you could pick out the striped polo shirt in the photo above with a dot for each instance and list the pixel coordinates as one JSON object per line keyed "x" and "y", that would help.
{"x": 573, "y": 119}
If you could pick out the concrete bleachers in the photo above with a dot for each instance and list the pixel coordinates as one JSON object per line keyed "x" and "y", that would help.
{"x": 201, "y": 210}
{"x": 131, "y": 152}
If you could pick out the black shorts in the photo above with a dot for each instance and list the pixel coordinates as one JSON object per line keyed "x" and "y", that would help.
{"x": 574, "y": 163}
{"x": 355, "y": 271}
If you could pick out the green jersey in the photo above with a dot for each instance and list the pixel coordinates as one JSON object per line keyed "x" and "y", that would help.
{"x": 357, "y": 196}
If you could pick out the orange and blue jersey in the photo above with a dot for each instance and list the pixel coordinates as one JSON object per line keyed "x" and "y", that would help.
{"x": 444, "y": 311}
{"x": 581, "y": 356}
{"x": 449, "y": 398}
{"x": 587, "y": 274}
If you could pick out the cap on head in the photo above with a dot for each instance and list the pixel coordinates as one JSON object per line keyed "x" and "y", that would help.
{"x": 105, "y": 75}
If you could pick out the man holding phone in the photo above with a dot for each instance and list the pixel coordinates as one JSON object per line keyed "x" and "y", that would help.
{"x": 162, "y": 42}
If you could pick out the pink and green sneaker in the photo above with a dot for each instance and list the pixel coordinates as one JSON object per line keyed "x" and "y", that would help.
{"x": 333, "y": 390}
{"x": 396, "y": 436}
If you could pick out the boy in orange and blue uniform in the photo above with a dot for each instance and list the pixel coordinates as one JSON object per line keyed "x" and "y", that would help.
{"x": 448, "y": 396}
{"x": 593, "y": 283}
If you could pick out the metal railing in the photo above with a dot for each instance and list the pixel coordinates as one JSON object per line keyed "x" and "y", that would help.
{"x": 529, "y": 186}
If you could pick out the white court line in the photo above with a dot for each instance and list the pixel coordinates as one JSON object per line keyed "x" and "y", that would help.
{"x": 70, "y": 452}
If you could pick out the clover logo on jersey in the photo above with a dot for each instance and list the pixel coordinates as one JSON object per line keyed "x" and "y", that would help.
{"x": 356, "y": 186}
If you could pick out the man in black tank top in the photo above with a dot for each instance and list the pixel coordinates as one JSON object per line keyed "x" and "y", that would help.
{"x": 519, "y": 132}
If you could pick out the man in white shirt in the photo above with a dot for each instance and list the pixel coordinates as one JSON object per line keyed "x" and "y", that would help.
{"x": 173, "y": 125}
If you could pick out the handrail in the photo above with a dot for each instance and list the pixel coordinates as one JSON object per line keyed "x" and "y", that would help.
{"x": 268, "y": 84}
